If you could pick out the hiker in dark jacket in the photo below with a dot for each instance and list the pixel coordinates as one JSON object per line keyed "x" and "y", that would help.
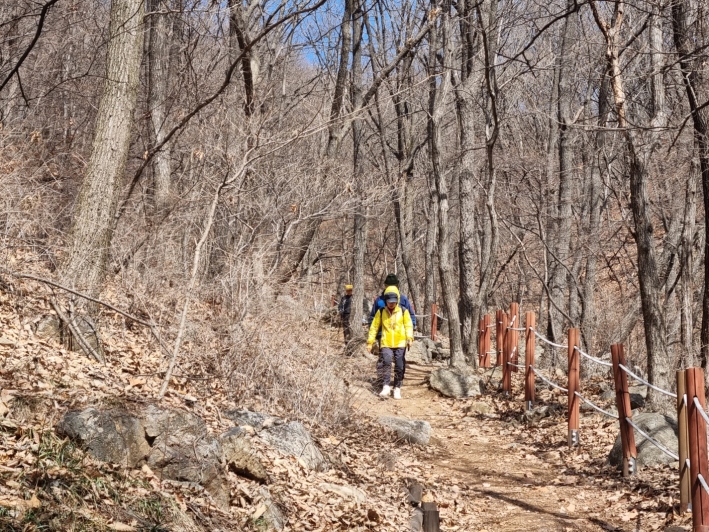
{"x": 379, "y": 304}
{"x": 344, "y": 309}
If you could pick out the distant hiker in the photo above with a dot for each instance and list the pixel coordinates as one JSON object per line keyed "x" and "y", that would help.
{"x": 345, "y": 308}
{"x": 394, "y": 324}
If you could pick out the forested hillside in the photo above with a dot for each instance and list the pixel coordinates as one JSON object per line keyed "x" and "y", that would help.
{"x": 209, "y": 175}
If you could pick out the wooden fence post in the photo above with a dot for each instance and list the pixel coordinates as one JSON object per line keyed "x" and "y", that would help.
{"x": 499, "y": 337}
{"x": 431, "y": 517}
{"x": 697, "y": 431}
{"x": 506, "y": 348}
{"x": 481, "y": 341}
{"x": 487, "y": 335}
{"x": 622, "y": 401}
{"x": 515, "y": 321}
{"x": 529, "y": 323}
{"x": 574, "y": 367}
{"x": 683, "y": 436}
{"x": 434, "y": 320}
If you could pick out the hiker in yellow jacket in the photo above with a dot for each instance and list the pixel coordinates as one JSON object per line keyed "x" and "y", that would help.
{"x": 397, "y": 334}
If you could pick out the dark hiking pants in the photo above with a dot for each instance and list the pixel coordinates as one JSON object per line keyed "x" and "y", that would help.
{"x": 386, "y": 355}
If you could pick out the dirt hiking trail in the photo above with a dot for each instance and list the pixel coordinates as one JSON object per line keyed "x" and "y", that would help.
{"x": 511, "y": 480}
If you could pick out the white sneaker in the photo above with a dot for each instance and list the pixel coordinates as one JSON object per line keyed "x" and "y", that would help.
{"x": 385, "y": 391}
{"x": 397, "y": 393}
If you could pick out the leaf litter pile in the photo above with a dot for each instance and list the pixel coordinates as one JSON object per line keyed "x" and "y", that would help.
{"x": 485, "y": 469}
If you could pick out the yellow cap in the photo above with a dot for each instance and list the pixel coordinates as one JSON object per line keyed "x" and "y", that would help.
{"x": 348, "y": 287}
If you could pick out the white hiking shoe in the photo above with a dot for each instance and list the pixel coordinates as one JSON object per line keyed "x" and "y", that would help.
{"x": 397, "y": 393}
{"x": 385, "y": 391}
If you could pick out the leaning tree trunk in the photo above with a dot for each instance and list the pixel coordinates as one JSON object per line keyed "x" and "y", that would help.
{"x": 91, "y": 233}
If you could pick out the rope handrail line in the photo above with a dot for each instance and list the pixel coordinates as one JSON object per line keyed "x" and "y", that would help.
{"x": 589, "y": 403}
{"x": 684, "y": 400}
{"x": 594, "y": 359}
{"x": 543, "y": 339}
{"x": 547, "y": 380}
{"x": 621, "y": 366}
{"x": 515, "y": 365}
{"x": 703, "y": 483}
{"x": 441, "y": 317}
{"x": 651, "y": 440}
{"x": 490, "y": 352}
{"x": 520, "y": 329}
{"x": 512, "y": 322}
{"x": 490, "y": 326}
{"x": 701, "y": 410}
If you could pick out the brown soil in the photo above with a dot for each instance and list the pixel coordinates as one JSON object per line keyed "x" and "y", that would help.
{"x": 517, "y": 481}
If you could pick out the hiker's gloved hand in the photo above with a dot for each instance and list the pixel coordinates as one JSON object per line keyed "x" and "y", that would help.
{"x": 369, "y": 348}
{"x": 408, "y": 344}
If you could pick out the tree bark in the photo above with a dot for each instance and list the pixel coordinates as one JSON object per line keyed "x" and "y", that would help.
{"x": 85, "y": 265}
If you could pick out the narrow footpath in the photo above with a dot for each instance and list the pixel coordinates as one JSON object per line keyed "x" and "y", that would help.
{"x": 516, "y": 481}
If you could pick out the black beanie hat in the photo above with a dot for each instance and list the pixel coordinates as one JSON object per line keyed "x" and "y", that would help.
{"x": 391, "y": 280}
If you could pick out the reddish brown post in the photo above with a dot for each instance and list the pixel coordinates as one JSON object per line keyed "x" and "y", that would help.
{"x": 697, "y": 430}
{"x": 574, "y": 387}
{"x": 499, "y": 336}
{"x": 622, "y": 401}
{"x": 529, "y": 323}
{"x": 434, "y": 320}
{"x": 487, "y": 335}
{"x": 481, "y": 341}
{"x": 517, "y": 323}
{"x": 683, "y": 436}
{"x": 506, "y": 348}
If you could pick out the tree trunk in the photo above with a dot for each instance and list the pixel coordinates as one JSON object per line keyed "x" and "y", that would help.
{"x": 562, "y": 223}
{"x": 692, "y": 65}
{"x": 159, "y": 40}
{"x": 85, "y": 266}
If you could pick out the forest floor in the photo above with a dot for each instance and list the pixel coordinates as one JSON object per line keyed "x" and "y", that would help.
{"x": 485, "y": 468}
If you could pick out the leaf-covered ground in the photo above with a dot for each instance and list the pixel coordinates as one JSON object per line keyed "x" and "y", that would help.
{"x": 484, "y": 468}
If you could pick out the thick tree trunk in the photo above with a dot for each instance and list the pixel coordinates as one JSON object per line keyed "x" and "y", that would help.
{"x": 440, "y": 84}
{"x": 691, "y": 66}
{"x": 87, "y": 258}
{"x": 561, "y": 243}
{"x": 430, "y": 295}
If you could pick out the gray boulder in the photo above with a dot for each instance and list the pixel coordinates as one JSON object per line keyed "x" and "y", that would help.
{"x": 419, "y": 354}
{"x": 248, "y": 418}
{"x": 659, "y": 427}
{"x": 110, "y": 436}
{"x": 183, "y": 450}
{"x": 49, "y": 328}
{"x": 240, "y": 456}
{"x": 418, "y": 432}
{"x": 293, "y": 439}
{"x": 453, "y": 382}
{"x": 272, "y": 515}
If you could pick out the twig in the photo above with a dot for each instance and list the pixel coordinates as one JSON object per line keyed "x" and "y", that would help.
{"x": 75, "y": 333}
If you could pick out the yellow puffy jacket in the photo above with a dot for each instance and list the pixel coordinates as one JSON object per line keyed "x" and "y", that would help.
{"x": 396, "y": 325}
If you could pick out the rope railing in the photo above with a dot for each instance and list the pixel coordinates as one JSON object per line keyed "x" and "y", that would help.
{"x": 701, "y": 411}
{"x": 593, "y": 359}
{"x": 592, "y": 405}
{"x": 651, "y": 440}
{"x": 550, "y": 383}
{"x": 640, "y": 379}
{"x": 691, "y": 415}
{"x": 543, "y": 339}
{"x": 441, "y": 317}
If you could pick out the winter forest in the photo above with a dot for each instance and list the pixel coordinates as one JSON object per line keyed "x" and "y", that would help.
{"x": 240, "y": 154}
